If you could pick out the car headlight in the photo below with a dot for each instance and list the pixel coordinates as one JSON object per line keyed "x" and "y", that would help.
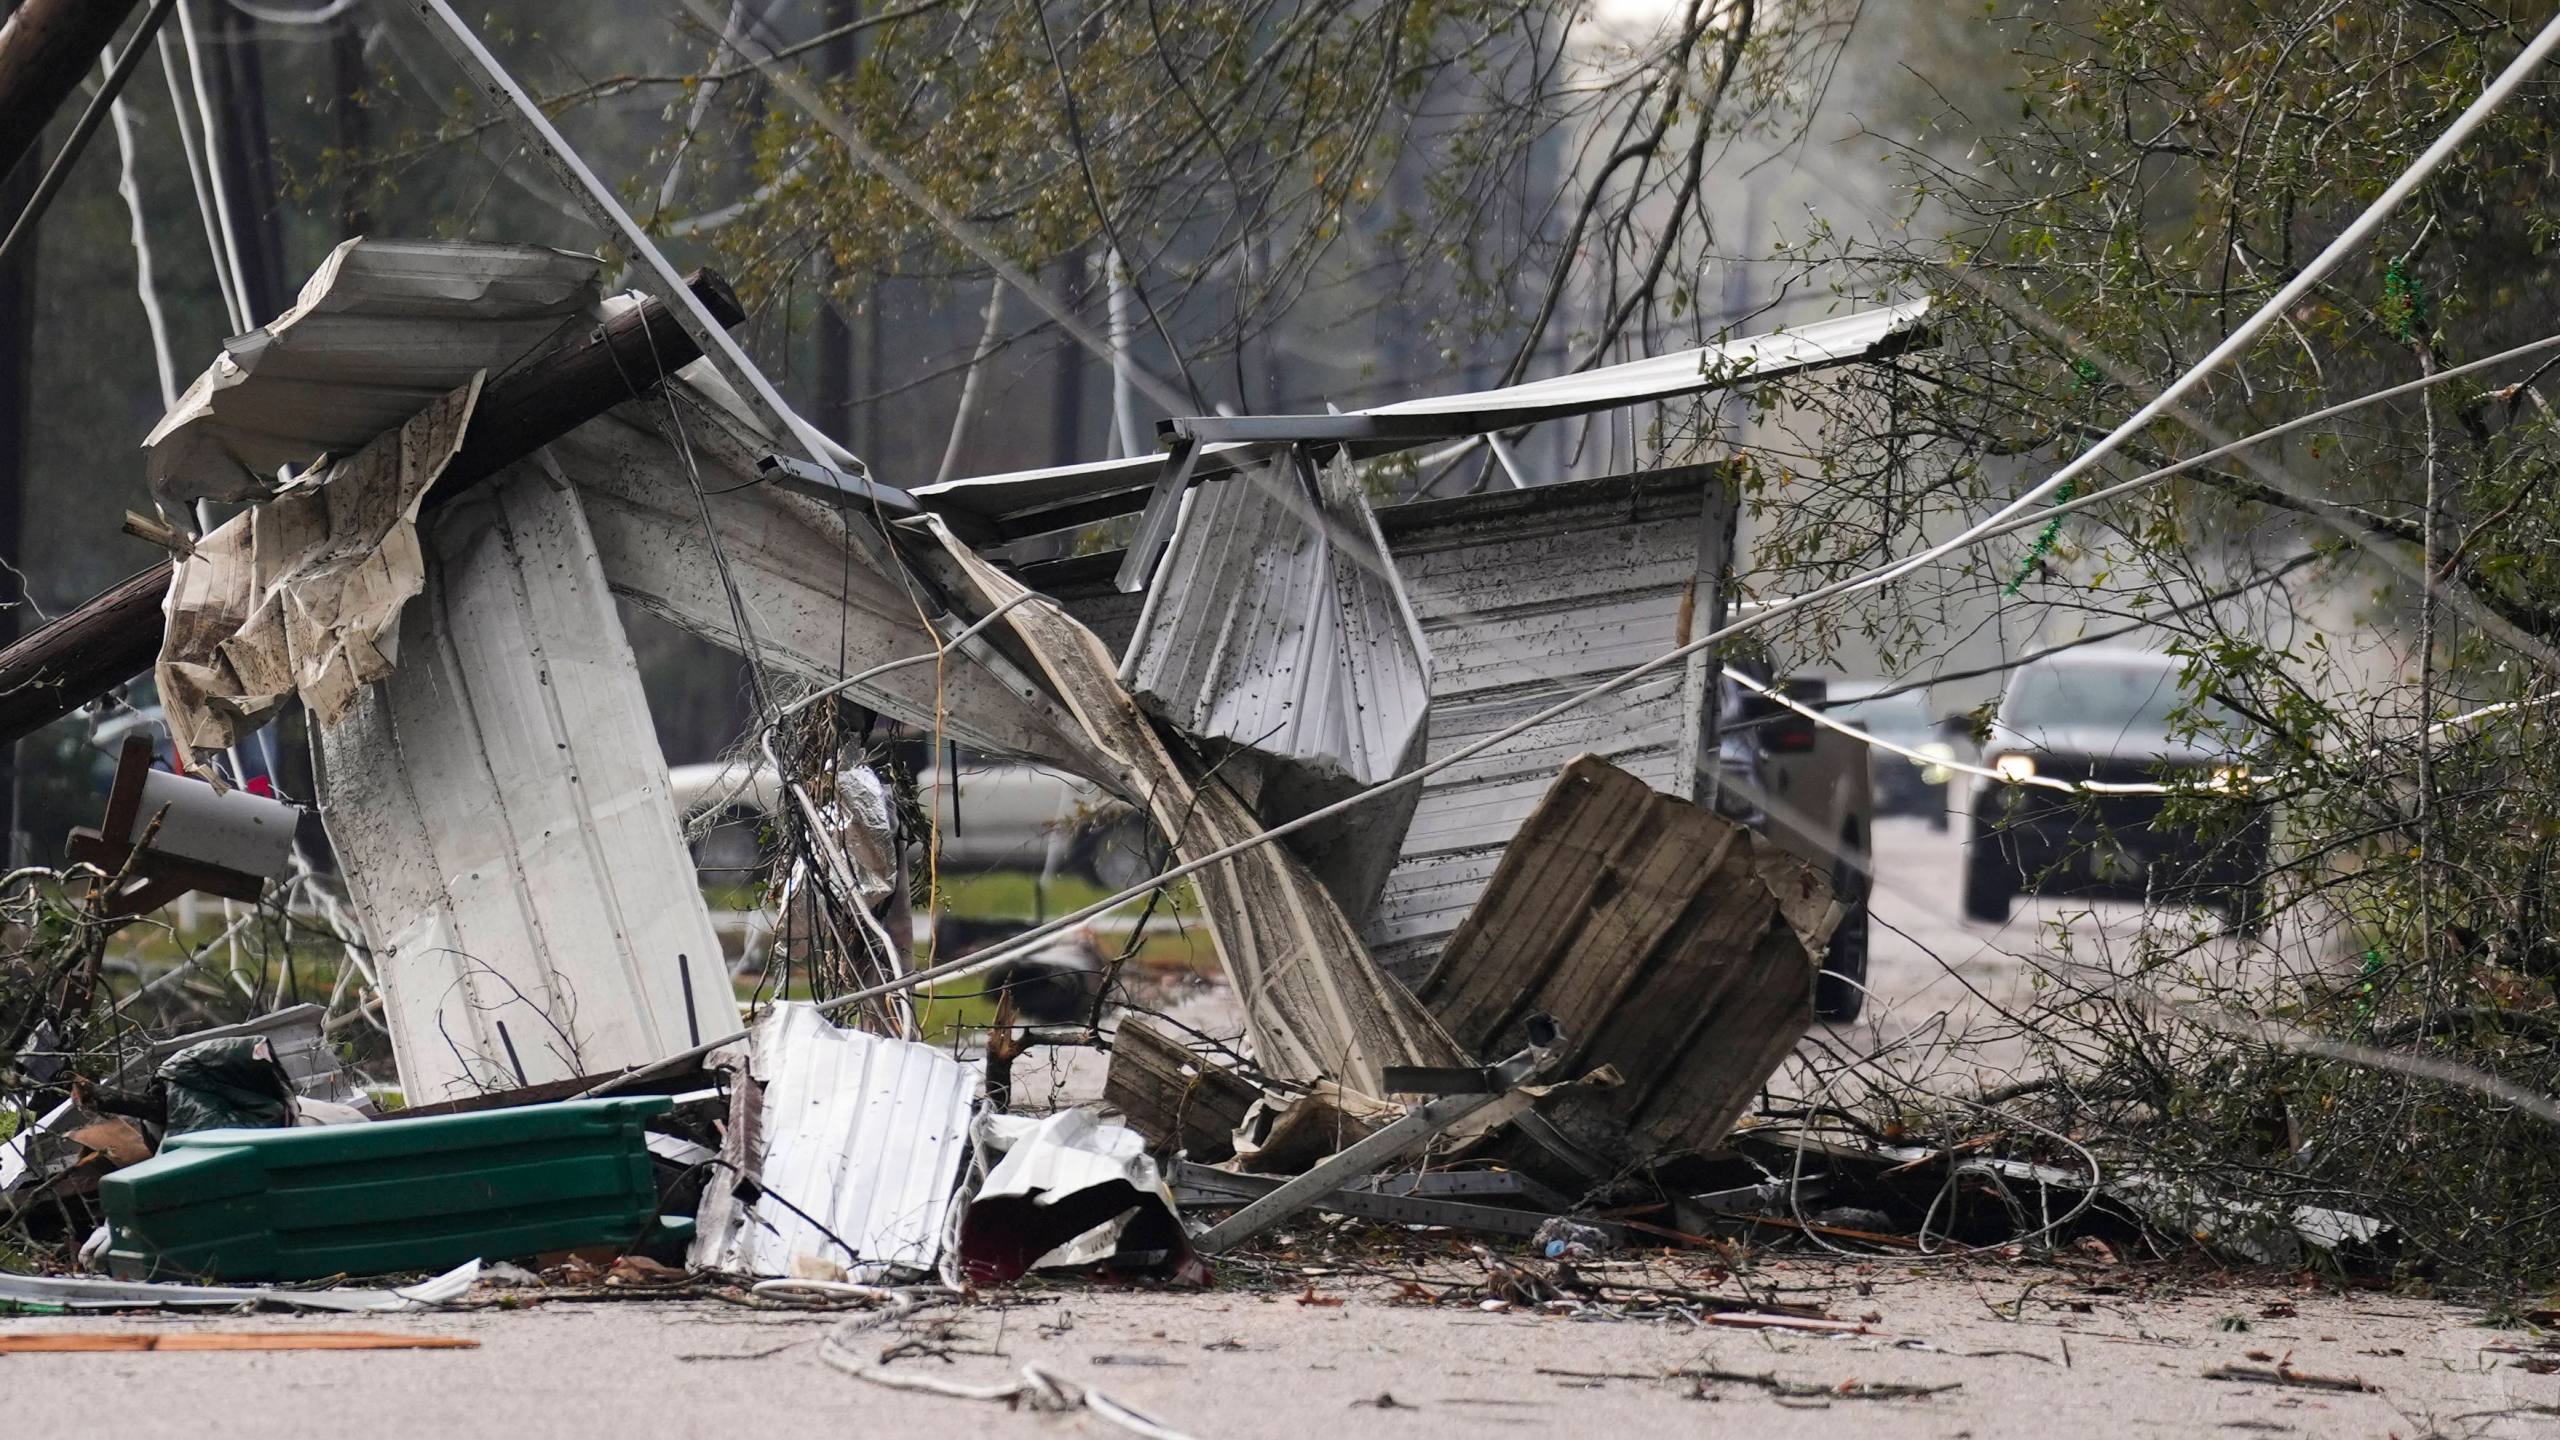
{"x": 2228, "y": 778}
{"x": 2014, "y": 768}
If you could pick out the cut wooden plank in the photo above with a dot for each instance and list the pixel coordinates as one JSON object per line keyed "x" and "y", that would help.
{"x": 76, "y": 1342}
{"x": 1667, "y": 941}
{"x": 1175, "y": 1098}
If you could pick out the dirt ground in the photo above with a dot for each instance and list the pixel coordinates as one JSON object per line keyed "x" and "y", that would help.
{"x": 2020, "y": 1350}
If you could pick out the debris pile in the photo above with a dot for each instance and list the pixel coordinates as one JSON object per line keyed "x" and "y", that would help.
{"x": 1521, "y": 991}
{"x": 426, "y": 560}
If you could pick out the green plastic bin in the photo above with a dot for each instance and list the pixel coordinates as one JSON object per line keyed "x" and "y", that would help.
{"x": 388, "y": 1196}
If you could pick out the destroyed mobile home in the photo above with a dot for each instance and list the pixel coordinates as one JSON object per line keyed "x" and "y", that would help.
{"x": 1506, "y": 970}
{"x": 1510, "y": 962}
{"x": 427, "y": 560}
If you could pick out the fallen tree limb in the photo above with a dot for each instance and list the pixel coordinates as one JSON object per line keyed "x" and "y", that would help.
{"x": 2287, "y": 1375}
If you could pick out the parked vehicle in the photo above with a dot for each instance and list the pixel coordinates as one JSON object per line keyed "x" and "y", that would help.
{"x": 998, "y": 815}
{"x": 1903, "y": 786}
{"x": 2106, "y": 715}
{"x": 1806, "y": 787}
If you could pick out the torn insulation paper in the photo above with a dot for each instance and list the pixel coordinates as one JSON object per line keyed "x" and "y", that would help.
{"x": 302, "y": 594}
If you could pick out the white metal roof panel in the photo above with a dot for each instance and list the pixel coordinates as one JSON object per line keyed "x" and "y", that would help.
{"x": 1835, "y": 341}
{"x": 381, "y": 329}
{"x": 862, "y": 1135}
{"x": 1280, "y": 628}
{"x": 1793, "y": 350}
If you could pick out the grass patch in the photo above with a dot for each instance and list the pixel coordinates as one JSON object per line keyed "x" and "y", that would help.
{"x": 1021, "y": 895}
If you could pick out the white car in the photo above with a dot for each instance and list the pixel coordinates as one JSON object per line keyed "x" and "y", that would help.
{"x": 998, "y": 815}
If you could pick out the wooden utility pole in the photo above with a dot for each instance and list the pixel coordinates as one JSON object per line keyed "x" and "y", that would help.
{"x": 46, "y": 50}
{"x": 17, "y": 408}
{"x": 116, "y": 635}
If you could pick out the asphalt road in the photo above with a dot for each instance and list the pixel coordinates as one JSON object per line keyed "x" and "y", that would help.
{"x": 1947, "y": 994}
{"x": 1325, "y": 1345}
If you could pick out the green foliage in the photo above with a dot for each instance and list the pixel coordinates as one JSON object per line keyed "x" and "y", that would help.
{"x": 2149, "y": 177}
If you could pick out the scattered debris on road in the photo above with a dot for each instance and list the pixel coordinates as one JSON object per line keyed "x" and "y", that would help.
{"x": 66, "y": 1342}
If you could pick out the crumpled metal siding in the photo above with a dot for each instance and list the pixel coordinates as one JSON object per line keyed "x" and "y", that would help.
{"x": 381, "y": 329}
{"x": 1526, "y": 597}
{"x": 816, "y": 607}
{"x": 1282, "y": 628}
{"x": 866, "y": 1133}
{"x": 1314, "y": 1007}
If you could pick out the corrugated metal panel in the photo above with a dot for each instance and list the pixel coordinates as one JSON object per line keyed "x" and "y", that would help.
{"x": 1667, "y": 942}
{"x": 1278, "y": 627}
{"x": 381, "y": 329}
{"x": 1819, "y": 345}
{"x": 1526, "y": 597}
{"x": 503, "y": 815}
{"x": 865, "y": 1134}
{"x": 1039, "y": 1206}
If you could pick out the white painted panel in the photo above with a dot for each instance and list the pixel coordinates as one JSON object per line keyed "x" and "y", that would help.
{"x": 816, "y": 608}
{"x": 503, "y": 814}
{"x": 861, "y": 1139}
{"x": 1526, "y": 598}
{"x": 1278, "y": 626}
